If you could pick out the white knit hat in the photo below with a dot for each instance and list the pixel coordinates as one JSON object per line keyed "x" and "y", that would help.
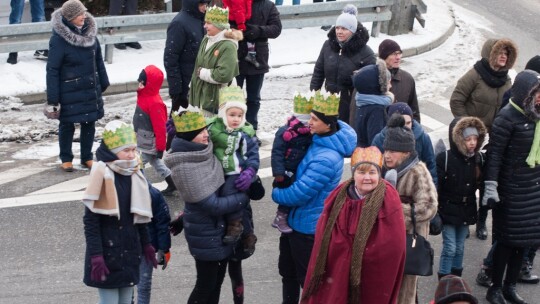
{"x": 348, "y": 18}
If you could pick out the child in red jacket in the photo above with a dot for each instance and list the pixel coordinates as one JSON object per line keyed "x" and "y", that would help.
{"x": 149, "y": 123}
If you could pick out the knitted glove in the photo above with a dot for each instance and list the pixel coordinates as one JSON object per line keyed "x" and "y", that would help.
{"x": 150, "y": 254}
{"x": 99, "y": 270}
{"x": 243, "y": 181}
{"x": 159, "y": 154}
{"x": 171, "y": 129}
{"x": 490, "y": 193}
{"x": 51, "y": 111}
{"x": 391, "y": 177}
{"x": 163, "y": 258}
{"x": 177, "y": 225}
{"x": 252, "y": 32}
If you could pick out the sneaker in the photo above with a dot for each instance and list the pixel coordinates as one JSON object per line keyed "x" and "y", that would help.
{"x": 252, "y": 59}
{"x": 41, "y": 54}
{"x": 12, "y": 58}
{"x": 67, "y": 167}
{"x": 234, "y": 232}
{"x": 526, "y": 276}
{"x": 280, "y": 223}
{"x": 134, "y": 45}
{"x": 484, "y": 277}
{"x": 87, "y": 164}
{"x": 120, "y": 46}
{"x": 249, "y": 242}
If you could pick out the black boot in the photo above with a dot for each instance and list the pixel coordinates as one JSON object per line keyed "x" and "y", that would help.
{"x": 457, "y": 271}
{"x": 484, "y": 277}
{"x": 234, "y": 232}
{"x": 495, "y": 296}
{"x": 510, "y": 294}
{"x": 481, "y": 230}
{"x": 169, "y": 191}
{"x": 12, "y": 58}
{"x": 441, "y": 275}
{"x": 526, "y": 276}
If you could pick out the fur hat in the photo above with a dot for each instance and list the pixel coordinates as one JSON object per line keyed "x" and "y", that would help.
{"x": 400, "y": 108}
{"x": 372, "y": 79}
{"x": 533, "y": 64}
{"x": 451, "y": 289}
{"x": 72, "y": 8}
{"x": 398, "y": 137}
{"x": 347, "y": 19}
{"x": 492, "y": 48}
{"x": 523, "y": 84}
{"x": 119, "y": 135}
{"x": 371, "y": 155}
{"x": 387, "y": 47}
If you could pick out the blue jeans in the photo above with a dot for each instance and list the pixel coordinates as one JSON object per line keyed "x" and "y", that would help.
{"x": 295, "y": 2}
{"x": 65, "y": 140}
{"x": 253, "y": 89}
{"x": 37, "y": 9}
{"x": 115, "y": 295}
{"x": 453, "y": 247}
{"x": 144, "y": 288}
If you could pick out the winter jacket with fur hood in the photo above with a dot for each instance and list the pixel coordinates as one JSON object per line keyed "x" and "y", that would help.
{"x": 76, "y": 75}
{"x": 480, "y": 94}
{"x": 460, "y": 175}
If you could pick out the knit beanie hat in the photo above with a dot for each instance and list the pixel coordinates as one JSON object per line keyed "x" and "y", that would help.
{"x": 523, "y": 84}
{"x": 231, "y": 97}
{"x": 400, "y": 108}
{"x": 452, "y": 289}
{"x": 387, "y": 47}
{"x": 470, "y": 131}
{"x": 372, "y": 79}
{"x": 118, "y": 136}
{"x": 371, "y": 155}
{"x": 72, "y": 8}
{"x": 218, "y": 16}
{"x": 347, "y": 19}
{"x": 398, "y": 137}
{"x": 142, "y": 77}
{"x": 533, "y": 64}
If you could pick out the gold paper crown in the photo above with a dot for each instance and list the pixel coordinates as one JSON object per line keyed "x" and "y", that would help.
{"x": 118, "y": 134}
{"x": 217, "y": 16}
{"x": 326, "y": 103}
{"x": 302, "y": 105}
{"x": 190, "y": 119}
{"x": 366, "y": 155}
{"x": 231, "y": 94}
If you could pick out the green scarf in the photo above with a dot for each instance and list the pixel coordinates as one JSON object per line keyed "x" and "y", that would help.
{"x": 534, "y": 155}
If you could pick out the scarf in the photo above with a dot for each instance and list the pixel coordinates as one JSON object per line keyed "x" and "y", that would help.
{"x": 534, "y": 155}
{"x": 370, "y": 210}
{"x": 494, "y": 79}
{"x": 101, "y": 197}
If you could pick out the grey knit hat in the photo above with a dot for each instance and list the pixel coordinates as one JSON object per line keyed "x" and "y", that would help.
{"x": 72, "y": 9}
{"x": 398, "y": 137}
{"x": 348, "y": 18}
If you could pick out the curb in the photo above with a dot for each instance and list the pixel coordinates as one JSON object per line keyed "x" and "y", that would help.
{"x": 129, "y": 87}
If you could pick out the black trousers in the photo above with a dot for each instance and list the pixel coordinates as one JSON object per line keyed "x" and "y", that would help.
{"x": 237, "y": 281}
{"x": 253, "y": 89}
{"x": 210, "y": 276}
{"x": 509, "y": 258}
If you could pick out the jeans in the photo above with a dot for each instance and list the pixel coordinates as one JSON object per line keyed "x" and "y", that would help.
{"x": 294, "y": 253}
{"x": 65, "y": 140}
{"x": 210, "y": 275}
{"x": 144, "y": 288}
{"x": 37, "y": 10}
{"x": 453, "y": 247}
{"x": 237, "y": 281}
{"x": 295, "y": 2}
{"x": 115, "y": 295}
{"x": 253, "y": 89}
{"x": 157, "y": 163}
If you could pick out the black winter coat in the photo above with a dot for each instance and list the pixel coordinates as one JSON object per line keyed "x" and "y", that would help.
{"x": 516, "y": 219}
{"x": 286, "y": 156}
{"x": 118, "y": 240}
{"x": 184, "y": 35}
{"x": 158, "y": 228}
{"x": 264, "y": 24}
{"x": 76, "y": 75}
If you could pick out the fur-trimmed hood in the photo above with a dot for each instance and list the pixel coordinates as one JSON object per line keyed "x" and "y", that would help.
{"x": 492, "y": 47}
{"x": 85, "y": 37}
{"x": 358, "y": 40}
{"x": 529, "y": 105}
{"x": 230, "y": 34}
{"x": 458, "y": 125}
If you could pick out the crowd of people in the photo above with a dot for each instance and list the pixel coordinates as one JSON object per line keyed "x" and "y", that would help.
{"x": 340, "y": 241}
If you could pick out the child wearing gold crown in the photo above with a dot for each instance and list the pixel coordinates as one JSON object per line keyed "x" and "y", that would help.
{"x": 238, "y": 154}
{"x": 290, "y": 146}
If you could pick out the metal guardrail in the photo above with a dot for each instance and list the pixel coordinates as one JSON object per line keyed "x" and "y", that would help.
{"x": 122, "y": 29}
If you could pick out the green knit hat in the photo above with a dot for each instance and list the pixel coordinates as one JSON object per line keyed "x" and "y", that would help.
{"x": 119, "y": 135}
{"x": 218, "y": 16}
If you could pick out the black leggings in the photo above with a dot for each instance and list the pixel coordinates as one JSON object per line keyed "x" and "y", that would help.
{"x": 509, "y": 258}
{"x": 210, "y": 276}
{"x": 237, "y": 281}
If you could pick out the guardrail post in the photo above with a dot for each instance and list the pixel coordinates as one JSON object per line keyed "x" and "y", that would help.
{"x": 402, "y": 18}
{"x": 109, "y": 53}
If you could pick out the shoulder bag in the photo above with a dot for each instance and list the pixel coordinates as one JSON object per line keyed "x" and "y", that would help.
{"x": 419, "y": 256}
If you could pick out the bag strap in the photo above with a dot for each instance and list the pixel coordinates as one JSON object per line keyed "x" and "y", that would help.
{"x": 413, "y": 219}
{"x": 446, "y": 161}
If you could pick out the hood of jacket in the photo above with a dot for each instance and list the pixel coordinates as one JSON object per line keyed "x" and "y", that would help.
{"x": 343, "y": 141}
{"x": 154, "y": 80}
{"x": 84, "y": 37}
{"x": 191, "y": 7}
{"x": 456, "y": 128}
{"x": 492, "y": 48}
{"x": 358, "y": 40}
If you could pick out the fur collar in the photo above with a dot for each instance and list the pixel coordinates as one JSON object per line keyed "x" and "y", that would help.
{"x": 84, "y": 37}
{"x": 357, "y": 41}
{"x": 460, "y": 126}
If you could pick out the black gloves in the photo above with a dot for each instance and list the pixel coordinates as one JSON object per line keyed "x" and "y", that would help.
{"x": 159, "y": 154}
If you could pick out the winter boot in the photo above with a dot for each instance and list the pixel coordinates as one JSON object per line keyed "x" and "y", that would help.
{"x": 67, "y": 167}
{"x": 441, "y": 275}
{"x": 280, "y": 222}
{"x": 495, "y": 296}
{"x": 526, "y": 276}
{"x": 169, "y": 191}
{"x": 481, "y": 230}
{"x": 234, "y": 231}
{"x": 12, "y": 58}
{"x": 456, "y": 271}
{"x": 249, "y": 241}
{"x": 250, "y": 57}
{"x": 484, "y": 277}
{"x": 510, "y": 294}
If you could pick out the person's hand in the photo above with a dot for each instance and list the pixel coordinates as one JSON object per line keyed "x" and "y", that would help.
{"x": 99, "y": 270}
{"x": 171, "y": 129}
{"x": 252, "y": 32}
{"x": 176, "y": 226}
{"x": 159, "y": 154}
{"x": 243, "y": 181}
{"x": 51, "y": 111}
{"x": 150, "y": 255}
{"x": 490, "y": 193}
{"x": 163, "y": 258}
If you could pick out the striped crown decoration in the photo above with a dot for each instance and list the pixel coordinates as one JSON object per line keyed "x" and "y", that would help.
{"x": 302, "y": 104}
{"x": 190, "y": 119}
{"x": 231, "y": 94}
{"x": 217, "y": 16}
{"x": 326, "y": 103}
{"x": 367, "y": 155}
{"x": 118, "y": 134}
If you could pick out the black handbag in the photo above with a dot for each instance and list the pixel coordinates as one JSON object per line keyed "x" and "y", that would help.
{"x": 419, "y": 256}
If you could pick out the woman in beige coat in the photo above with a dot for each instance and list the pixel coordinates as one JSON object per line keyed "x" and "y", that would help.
{"x": 414, "y": 185}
